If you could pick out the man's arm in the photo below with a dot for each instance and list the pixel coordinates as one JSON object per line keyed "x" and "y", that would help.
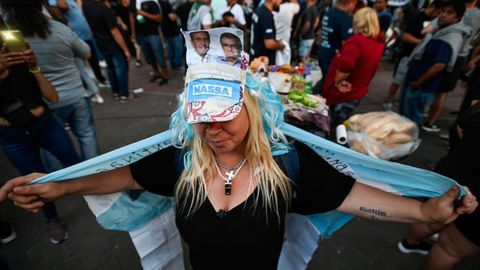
{"x": 238, "y": 24}
{"x": 62, "y": 5}
{"x": 121, "y": 42}
{"x": 431, "y": 72}
{"x": 132, "y": 26}
{"x": 272, "y": 44}
{"x": 151, "y": 16}
{"x": 409, "y": 38}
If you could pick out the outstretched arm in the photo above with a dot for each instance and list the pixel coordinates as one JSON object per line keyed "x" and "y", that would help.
{"x": 369, "y": 202}
{"x": 32, "y": 197}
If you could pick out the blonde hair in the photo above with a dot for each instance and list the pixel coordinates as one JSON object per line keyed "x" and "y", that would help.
{"x": 366, "y": 22}
{"x": 271, "y": 182}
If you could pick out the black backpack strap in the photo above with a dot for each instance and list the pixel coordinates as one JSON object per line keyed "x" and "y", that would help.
{"x": 290, "y": 163}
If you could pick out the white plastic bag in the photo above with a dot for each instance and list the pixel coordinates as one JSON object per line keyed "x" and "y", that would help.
{"x": 385, "y": 135}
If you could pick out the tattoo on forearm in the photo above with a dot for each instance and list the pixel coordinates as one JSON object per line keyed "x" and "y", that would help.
{"x": 374, "y": 212}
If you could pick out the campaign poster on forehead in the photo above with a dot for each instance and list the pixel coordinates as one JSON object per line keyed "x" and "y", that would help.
{"x": 216, "y": 70}
{"x": 219, "y": 45}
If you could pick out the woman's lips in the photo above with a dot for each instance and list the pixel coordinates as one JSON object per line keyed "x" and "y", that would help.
{"x": 218, "y": 143}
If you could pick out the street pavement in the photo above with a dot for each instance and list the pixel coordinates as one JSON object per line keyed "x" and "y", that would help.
{"x": 362, "y": 244}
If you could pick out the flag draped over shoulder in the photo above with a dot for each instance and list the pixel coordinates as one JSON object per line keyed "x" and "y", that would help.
{"x": 149, "y": 218}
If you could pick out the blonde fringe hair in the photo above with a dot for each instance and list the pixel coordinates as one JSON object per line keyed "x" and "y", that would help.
{"x": 271, "y": 181}
{"x": 366, "y": 22}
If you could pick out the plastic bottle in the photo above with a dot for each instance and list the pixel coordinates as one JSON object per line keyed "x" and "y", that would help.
{"x": 308, "y": 80}
{"x": 315, "y": 72}
{"x": 140, "y": 19}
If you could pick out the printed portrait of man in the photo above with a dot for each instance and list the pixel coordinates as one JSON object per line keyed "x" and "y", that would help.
{"x": 201, "y": 44}
{"x": 232, "y": 49}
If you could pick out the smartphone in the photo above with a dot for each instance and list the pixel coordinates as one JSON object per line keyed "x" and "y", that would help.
{"x": 13, "y": 40}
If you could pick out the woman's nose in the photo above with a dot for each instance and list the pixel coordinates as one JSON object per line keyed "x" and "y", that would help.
{"x": 213, "y": 127}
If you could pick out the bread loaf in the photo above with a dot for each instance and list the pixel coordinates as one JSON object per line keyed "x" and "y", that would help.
{"x": 397, "y": 138}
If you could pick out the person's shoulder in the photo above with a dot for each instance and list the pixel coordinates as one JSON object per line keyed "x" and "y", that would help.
{"x": 262, "y": 10}
{"x": 237, "y": 7}
{"x": 56, "y": 27}
{"x": 292, "y": 7}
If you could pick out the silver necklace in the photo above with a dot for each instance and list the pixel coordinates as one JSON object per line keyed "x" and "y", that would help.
{"x": 233, "y": 171}
{"x": 240, "y": 164}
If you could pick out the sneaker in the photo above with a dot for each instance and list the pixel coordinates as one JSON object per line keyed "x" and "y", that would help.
{"x": 138, "y": 63}
{"x": 97, "y": 98}
{"x": 444, "y": 136}
{"x": 387, "y": 106}
{"x": 57, "y": 231}
{"x": 155, "y": 78}
{"x": 104, "y": 84}
{"x": 116, "y": 96}
{"x": 430, "y": 128}
{"x": 123, "y": 99}
{"x": 7, "y": 233}
{"x": 423, "y": 248}
{"x": 162, "y": 81}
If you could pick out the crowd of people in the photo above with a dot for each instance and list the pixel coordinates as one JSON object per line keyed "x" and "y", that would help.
{"x": 49, "y": 84}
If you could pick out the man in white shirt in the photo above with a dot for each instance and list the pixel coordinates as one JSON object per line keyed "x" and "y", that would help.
{"x": 201, "y": 43}
{"x": 283, "y": 24}
{"x": 234, "y": 16}
{"x": 200, "y": 16}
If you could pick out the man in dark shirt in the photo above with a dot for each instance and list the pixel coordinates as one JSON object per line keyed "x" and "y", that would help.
{"x": 171, "y": 32}
{"x": 148, "y": 18}
{"x": 263, "y": 38}
{"x": 411, "y": 36}
{"x": 426, "y": 67}
{"x": 336, "y": 28}
{"x": 111, "y": 44}
{"x": 384, "y": 16}
{"x": 305, "y": 30}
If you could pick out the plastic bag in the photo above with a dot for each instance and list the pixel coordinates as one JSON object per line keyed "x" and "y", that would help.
{"x": 385, "y": 135}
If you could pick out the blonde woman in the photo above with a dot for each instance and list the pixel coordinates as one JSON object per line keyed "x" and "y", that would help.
{"x": 354, "y": 66}
{"x": 232, "y": 194}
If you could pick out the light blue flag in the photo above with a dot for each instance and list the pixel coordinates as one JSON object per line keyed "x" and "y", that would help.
{"x": 128, "y": 213}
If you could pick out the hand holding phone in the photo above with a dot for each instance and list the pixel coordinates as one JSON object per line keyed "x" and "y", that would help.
{"x": 13, "y": 40}
{"x": 8, "y": 59}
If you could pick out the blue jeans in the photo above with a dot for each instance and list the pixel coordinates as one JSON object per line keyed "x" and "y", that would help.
{"x": 413, "y": 103}
{"x": 175, "y": 50}
{"x": 22, "y": 148}
{"x": 152, "y": 49}
{"x": 117, "y": 71}
{"x": 341, "y": 112}
{"x": 80, "y": 119}
{"x": 95, "y": 56}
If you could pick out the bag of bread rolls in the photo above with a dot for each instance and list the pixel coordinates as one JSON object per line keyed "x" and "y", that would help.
{"x": 385, "y": 135}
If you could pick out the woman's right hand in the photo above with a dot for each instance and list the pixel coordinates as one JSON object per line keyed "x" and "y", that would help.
{"x": 31, "y": 197}
{"x": 8, "y": 59}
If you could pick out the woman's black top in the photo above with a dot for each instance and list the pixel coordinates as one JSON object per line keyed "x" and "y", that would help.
{"x": 245, "y": 237}
{"x": 19, "y": 86}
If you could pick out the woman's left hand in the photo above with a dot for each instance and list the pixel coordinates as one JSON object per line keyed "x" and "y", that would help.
{"x": 29, "y": 57}
{"x": 344, "y": 86}
{"x": 443, "y": 209}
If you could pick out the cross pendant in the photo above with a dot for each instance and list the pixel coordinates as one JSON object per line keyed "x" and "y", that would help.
{"x": 230, "y": 176}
